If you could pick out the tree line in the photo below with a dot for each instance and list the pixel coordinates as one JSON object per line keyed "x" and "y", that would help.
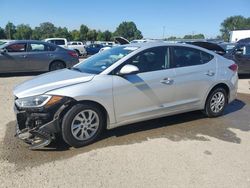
{"x": 84, "y": 33}
{"x": 127, "y": 30}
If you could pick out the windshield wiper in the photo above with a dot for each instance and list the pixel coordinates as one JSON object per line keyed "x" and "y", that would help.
{"x": 75, "y": 68}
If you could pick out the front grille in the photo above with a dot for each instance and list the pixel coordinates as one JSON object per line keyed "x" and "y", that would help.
{"x": 21, "y": 120}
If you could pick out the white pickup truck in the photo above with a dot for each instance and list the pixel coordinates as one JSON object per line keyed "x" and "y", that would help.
{"x": 78, "y": 46}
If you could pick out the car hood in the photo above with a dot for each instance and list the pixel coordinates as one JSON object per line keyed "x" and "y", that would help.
{"x": 50, "y": 81}
{"x": 121, "y": 40}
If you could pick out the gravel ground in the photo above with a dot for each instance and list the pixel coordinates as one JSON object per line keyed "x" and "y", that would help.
{"x": 187, "y": 150}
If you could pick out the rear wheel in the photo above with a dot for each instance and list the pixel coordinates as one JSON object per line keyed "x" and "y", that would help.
{"x": 82, "y": 125}
{"x": 78, "y": 53}
{"x": 216, "y": 102}
{"x": 56, "y": 65}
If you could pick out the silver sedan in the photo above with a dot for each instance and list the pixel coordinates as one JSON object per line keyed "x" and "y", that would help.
{"x": 32, "y": 56}
{"x": 123, "y": 85}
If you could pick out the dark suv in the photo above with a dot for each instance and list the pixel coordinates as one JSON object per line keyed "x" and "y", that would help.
{"x": 241, "y": 55}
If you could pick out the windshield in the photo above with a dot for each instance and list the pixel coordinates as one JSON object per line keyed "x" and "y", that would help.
{"x": 101, "y": 61}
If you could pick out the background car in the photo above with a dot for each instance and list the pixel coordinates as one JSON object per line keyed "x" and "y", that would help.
{"x": 58, "y": 41}
{"x": 78, "y": 46}
{"x": 29, "y": 56}
{"x": 227, "y": 46}
{"x": 4, "y": 41}
{"x": 241, "y": 55}
{"x": 93, "y": 48}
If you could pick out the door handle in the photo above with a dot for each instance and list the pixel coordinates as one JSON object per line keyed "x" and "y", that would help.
{"x": 210, "y": 73}
{"x": 24, "y": 56}
{"x": 167, "y": 81}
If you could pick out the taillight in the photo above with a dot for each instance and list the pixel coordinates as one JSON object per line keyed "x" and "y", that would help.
{"x": 72, "y": 53}
{"x": 233, "y": 67}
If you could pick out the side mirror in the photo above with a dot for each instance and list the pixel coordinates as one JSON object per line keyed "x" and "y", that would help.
{"x": 128, "y": 69}
{"x": 3, "y": 51}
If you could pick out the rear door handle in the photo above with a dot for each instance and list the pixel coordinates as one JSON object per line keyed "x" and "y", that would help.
{"x": 210, "y": 73}
{"x": 24, "y": 56}
{"x": 167, "y": 81}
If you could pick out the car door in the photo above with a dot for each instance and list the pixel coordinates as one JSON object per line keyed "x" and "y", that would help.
{"x": 14, "y": 59}
{"x": 39, "y": 56}
{"x": 148, "y": 93}
{"x": 242, "y": 58}
{"x": 195, "y": 73}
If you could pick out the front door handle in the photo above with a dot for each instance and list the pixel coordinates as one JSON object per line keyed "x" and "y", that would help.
{"x": 167, "y": 81}
{"x": 210, "y": 73}
{"x": 24, "y": 56}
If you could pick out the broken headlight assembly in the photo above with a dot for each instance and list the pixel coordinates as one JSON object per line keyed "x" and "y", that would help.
{"x": 37, "y": 101}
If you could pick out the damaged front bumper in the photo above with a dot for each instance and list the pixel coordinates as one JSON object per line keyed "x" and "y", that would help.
{"x": 38, "y": 126}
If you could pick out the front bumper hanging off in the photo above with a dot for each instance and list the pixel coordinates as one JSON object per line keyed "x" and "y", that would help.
{"x": 37, "y": 127}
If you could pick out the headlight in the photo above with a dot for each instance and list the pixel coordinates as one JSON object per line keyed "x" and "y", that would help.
{"x": 37, "y": 101}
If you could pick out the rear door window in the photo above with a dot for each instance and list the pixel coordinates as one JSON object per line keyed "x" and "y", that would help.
{"x": 185, "y": 56}
{"x": 36, "y": 47}
{"x": 19, "y": 47}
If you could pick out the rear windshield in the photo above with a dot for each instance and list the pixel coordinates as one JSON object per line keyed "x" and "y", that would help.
{"x": 57, "y": 42}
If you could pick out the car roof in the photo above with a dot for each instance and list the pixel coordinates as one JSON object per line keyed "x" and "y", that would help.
{"x": 55, "y": 39}
{"x": 147, "y": 45}
{"x": 29, "y": 41}
{"x": 155, "y": 44}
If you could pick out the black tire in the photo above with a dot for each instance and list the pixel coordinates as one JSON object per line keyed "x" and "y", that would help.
{"x": 67, "y": 122}
{"x": 56, "y": 65}
{"x": 210, "y": 110}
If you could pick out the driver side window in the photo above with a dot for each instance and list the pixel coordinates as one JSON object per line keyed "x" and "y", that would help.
{"x": 151, "y": 60}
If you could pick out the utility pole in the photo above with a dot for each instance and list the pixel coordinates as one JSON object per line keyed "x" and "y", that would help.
{"x": 9, "y": 33}
{"x": 163, "y": 33}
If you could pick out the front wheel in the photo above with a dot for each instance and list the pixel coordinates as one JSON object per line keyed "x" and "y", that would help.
{"x": 216, "y": 102}
{"x": 56, "y": 65}
{"x": 82, "y": 125}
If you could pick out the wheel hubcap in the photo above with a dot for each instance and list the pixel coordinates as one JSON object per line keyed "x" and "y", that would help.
{"x": 85, "y": 125}
{"x": 217, "y": 102}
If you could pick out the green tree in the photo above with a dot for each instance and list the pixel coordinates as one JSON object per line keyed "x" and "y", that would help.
{"x": 23, "y": 32}
{"x": 233, "y": 23}
{"x": 36, "y": 33}
{"x": 107, "y": 35}
{"x": 10, "y": 30}
{"x": 198, "y": 36}
{"x": 188, "y": 37}
{"x": 2, "y": 34}
{"x": 46, "y": 30}
{"x": 100, "y": 36}
{"x": 83, "y": 32}
{"x": 75, "y": 35}
{"x": 62, "y": 33}
{"x": 92, "y": 35}
{"x": 172, "y": 38}
{"x": 128, "y": 30}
